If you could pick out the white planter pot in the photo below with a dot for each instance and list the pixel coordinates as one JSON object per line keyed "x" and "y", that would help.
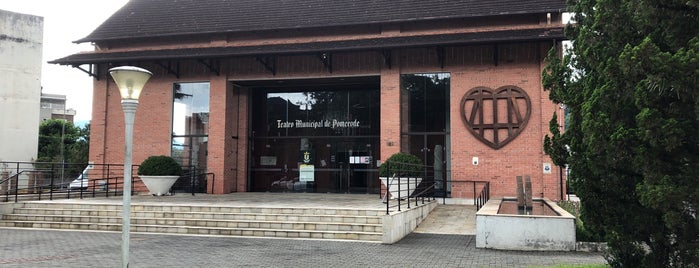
{"x": 159, "y": 185}
{"x": 407, "y": 186}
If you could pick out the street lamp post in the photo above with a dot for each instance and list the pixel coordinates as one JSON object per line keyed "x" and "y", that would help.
{"x": 130, "y": 81}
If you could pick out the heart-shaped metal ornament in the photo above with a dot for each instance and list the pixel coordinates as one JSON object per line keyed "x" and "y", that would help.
{"x": 496, "y": 117}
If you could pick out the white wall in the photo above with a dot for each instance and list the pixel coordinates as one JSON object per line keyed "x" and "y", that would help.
{"x": 21, "y": 43}
{"x": 524, "y": 232}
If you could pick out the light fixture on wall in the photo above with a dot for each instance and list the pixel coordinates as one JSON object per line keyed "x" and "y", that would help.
{"x": 130, "y": 81}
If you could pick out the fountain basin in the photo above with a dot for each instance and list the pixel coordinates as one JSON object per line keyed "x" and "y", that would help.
{"x": 553, "y": 230}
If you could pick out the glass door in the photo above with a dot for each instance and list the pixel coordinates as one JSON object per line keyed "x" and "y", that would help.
{"x": 315, "y": 137}
{"x": 425, "y": 124}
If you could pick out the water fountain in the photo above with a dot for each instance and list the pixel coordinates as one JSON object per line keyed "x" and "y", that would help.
{"x": 524, "y": 223}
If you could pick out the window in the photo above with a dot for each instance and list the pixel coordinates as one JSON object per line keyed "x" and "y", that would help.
{"x": 190, "y": 124}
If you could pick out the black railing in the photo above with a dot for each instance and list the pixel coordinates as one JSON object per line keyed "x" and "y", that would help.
{"x": 483, "y": 196}
{"x": 403, "y": 183}
{"x": 192, "y": 182}
{"x": 430, "y": 184}
{"x": 36, "y": 181}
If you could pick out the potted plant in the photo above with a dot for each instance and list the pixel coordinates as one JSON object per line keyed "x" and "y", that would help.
{"x": 159, "y": 173}
{"x": 401, "y": 171}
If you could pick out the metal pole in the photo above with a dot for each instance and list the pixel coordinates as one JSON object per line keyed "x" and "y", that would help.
{"x": 63, "y": 156}
{"x": 129, "y": 107}
{"x": 192, "y": 177}
{"x": 388, "y": 184}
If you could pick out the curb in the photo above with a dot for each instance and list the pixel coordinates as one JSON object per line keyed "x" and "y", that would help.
{"x": 590, "y": 246}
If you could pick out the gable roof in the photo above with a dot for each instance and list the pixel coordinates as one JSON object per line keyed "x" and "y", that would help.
{"x": 160, "y": 18}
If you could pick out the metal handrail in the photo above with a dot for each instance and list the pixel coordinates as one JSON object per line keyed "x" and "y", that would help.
{"x": 8, "y": 179}
{"x": 396, "y": 173}
{"x": 428, "y": 188}
{"x": 104, "y": 178}
{"x": 420, "y": 194}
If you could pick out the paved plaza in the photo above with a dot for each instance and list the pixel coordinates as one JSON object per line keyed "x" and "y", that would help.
{"x": 51, "y": 248}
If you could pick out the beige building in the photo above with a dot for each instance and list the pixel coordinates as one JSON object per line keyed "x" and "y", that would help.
{"x": 21, "y": 46}
{"x": 53, "y": 106}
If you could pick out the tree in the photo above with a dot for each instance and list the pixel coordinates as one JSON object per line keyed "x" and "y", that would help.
{"x": 631, "y": 86}
{"x": 60, "y": 140}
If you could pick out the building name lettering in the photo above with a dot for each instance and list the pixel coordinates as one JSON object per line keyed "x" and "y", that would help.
{"x": 318, "y": 124}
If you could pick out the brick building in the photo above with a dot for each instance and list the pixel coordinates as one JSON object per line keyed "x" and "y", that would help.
{"x": 252, "y": 90}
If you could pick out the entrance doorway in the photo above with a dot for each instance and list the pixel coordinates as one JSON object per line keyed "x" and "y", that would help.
{"x": 425, "y": 124}
{"x": 314, "y": 135}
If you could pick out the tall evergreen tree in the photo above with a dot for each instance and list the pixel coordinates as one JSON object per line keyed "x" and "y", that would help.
{"x": 63, "y": 142}
{"x": 631, "y": 85}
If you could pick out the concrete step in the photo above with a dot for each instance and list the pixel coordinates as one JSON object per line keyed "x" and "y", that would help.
{"x": 316, "y": 223}
{"x": 202, "y": 215}
{"x": 251, "y": 223}
{"x": 213, "y": 209}
{"x": 200, "y": 230}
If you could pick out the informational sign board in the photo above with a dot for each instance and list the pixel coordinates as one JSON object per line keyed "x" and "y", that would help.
{"x": 268, "y": 160}
{"x": 360, "y": 159}
{"x": 547, "y": 168}
{"x": 307, "y": 173}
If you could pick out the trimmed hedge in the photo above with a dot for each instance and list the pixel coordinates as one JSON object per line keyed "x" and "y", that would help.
{"x": 401, "y": 164}
{"x": 160, "y": 165}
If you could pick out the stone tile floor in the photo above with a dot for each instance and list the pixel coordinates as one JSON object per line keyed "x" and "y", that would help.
{"x": 49, "y": 248}
{"x": 445, "y": 239}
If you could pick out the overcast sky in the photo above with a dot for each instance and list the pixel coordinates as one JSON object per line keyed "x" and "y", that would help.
{"x": 64, "y": 22}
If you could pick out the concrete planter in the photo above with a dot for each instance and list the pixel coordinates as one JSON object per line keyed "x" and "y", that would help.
{"x": 407, "y": 186}
{"x": 524, "y": 232}
{"x": 159, "y": 185}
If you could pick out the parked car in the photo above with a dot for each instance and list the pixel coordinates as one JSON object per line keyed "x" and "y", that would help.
{"x": 81, "y": 182}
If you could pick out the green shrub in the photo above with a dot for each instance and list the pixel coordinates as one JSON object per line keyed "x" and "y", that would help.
{"x": 160, "y": 165}
{"x": 581, "y": 232}
{"x": 401, "y": 164}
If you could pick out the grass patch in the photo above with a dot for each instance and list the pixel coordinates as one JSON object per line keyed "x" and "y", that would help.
{"x": 575, "y": 266}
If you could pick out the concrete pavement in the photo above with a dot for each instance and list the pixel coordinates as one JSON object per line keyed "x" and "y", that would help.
{"x": 50, "y": 248}
{"x": 450, "y": 219}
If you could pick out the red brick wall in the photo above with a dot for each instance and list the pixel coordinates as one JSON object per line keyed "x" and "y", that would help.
{"x": 220, "y": 135}
{"x": 472, "y": 66}
{"x": 519, "y": 66}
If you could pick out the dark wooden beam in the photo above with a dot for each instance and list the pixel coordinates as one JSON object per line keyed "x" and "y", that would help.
{"x": 269, "y": 62}
{"x": 387, "y": 57}
{"x": 91, "y": 71}
{"x": 441, "y": 56}
{"x": 214, "y": 66}
{"x": 496, "y": 56}
{"x": 327, "y": 59}
{"x": 169, "y": 68}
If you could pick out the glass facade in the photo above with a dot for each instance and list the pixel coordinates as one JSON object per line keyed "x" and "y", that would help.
{"x": 315, "y": 138}
{"x": 425, "y": 123}
{"x": 190, "y": 124}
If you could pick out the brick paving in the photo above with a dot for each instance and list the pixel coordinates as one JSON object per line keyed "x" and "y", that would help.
{"x": 52, "y": 248}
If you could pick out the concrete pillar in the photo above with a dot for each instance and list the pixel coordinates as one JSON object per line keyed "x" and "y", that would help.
{"x": 31, "y": 182}
{"x": 3, "y": 186}
{"x": 520, "y": 192}
{"x": 528, "y": 192}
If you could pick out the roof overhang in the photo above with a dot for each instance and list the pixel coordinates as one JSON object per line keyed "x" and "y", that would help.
{"x": 387, "y": 43}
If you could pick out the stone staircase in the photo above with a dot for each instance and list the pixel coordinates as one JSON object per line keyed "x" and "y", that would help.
{"x": 310, "y": 223}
